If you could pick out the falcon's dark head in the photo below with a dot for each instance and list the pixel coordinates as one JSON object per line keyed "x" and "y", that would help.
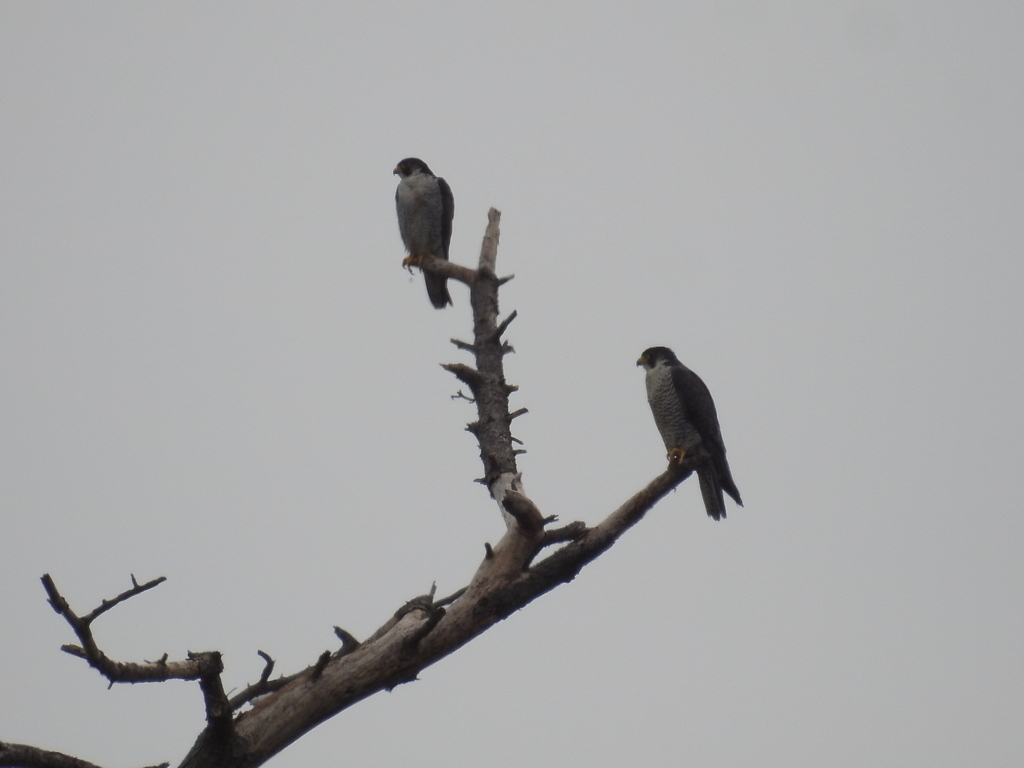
{"x": 411, "y": 166}
{"x": 654, "y": 355}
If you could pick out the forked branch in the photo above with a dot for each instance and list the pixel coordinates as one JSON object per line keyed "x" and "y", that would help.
{"x": 197, "y": 666}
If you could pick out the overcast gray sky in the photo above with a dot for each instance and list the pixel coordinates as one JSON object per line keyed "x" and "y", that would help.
{"x": 212, "y": 368}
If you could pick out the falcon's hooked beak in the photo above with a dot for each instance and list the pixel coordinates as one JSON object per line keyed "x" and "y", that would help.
{"x": 642, "y": 360}
{"x": 397, "y": 171}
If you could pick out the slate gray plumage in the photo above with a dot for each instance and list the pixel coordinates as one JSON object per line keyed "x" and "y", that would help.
{"x": 426, "y": 207}
{"x": 685, "y": 415}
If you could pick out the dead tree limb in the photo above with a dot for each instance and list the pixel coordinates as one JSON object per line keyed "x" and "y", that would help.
{"x": 196, "y": 667}
{"x": 23, "y": 756}
{"x": 425, "y": 629}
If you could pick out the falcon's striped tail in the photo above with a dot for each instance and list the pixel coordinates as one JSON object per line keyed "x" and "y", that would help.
{"x": 711, "y": 490}
{"x": 437, "y": 290}
{"x": 712, "y": 486}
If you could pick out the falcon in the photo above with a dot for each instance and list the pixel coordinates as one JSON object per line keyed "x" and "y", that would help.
{"x": 686, "y": 418}
{"x": 426, "y": 208}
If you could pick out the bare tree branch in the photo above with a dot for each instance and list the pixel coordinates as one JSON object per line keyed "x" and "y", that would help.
{"x": 503, "y": 326}
{"x": 449, "y": 269}
{"x": 264, "y": 685}
{"x": 23, "y": 756}
{"x": 196, "y": 667}
{"x": 425, "y": 629}
{"x": 136, "y": 589}
{"x": 569, "y": 532}
{"x": 466, "y": 374}
{"x": 218, "y": 708}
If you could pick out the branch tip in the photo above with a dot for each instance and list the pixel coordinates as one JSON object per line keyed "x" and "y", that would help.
{"x": 321, "y": 664}
{"x": 464, "y": 373}
{"x": 464, "y": 345}
{"x": 348, "y": 641}
{"x": 460, "y": 395}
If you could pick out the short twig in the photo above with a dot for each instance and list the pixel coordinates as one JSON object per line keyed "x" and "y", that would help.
{"x": 452, "y": 597}
{"x": 136, "y": 589}
{"x": 464, "y": 373}
{"x": 268, "y": 668}
{"x": 261, "y": 688}
{"x": 503, "y": 325}
{"x": 569, "y": 532}
{"x": 258, "y": 688}
{"x": 348, "y": 641}
{"x": 418, "y": 603}
{"x": 321, "y": 665}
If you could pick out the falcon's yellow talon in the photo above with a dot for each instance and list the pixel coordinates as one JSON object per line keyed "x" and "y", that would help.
{"x": 677, "y": 456}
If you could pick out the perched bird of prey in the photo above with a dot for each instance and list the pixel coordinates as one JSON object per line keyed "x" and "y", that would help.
{"x": 426, "y": 208}
{"x": 685, "y": 415}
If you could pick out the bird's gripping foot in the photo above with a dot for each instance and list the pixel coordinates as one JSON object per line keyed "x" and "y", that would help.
{"x": 678, "y": 456}
{"x": 411, "y": 261}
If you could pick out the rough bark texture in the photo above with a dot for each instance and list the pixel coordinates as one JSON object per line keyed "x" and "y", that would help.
{"x": 424, "y": 629}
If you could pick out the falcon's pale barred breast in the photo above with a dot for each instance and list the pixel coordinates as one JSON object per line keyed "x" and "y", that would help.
{"x": 686, "y": 418}
{"x": 426, "y": 208}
